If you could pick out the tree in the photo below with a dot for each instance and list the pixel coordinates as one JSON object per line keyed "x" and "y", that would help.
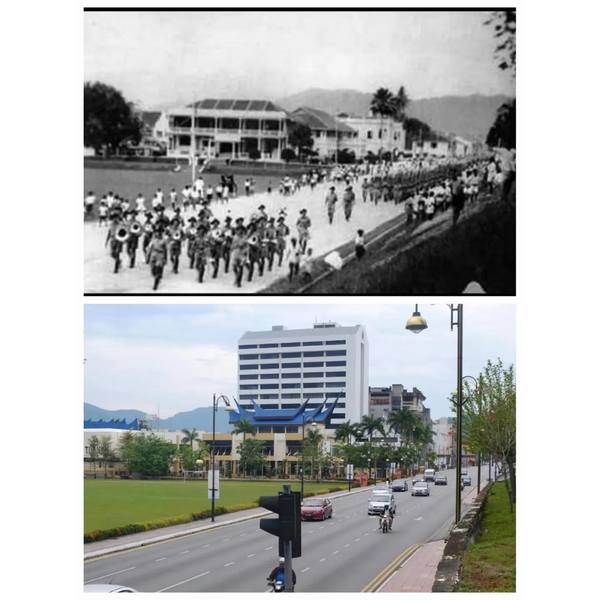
{"x": 346, "y": 431}
{"x": 251, "y": 455}
{"x": 288, "y": 154}
{"x": 416, "y": 130}
{"x": 313, "y": 444}
{"x": 300, "y": 137}
{"x": 190, "y": 436}
{"x": 244, "y": 426}
{"x": 108, "y": 119}
{"x": 148, "y": 455}
{"x": 402, "y": 422}
{"x": 503, "y": 133}
{"x": 400, "y": 101}
{"x": 368, "y": 426}
{"x": 105, "y": 451}
{"x": 254, "y": 153}
{"x": 93, "y": 449}
{"x": 346, "y": 157}
{"x": 382, "y": 103}
{"x": 505, "y": 31}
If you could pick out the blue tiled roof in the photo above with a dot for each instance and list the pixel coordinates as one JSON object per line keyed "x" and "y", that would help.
{"x": 112, "y": 424}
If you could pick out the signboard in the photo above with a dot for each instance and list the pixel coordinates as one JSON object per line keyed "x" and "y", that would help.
{"x": 350, "y": 472}
{"x": 213, "y": 476}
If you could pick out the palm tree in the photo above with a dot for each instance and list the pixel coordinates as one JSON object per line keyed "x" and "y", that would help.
{"x": 369, "y": 425}
{"x": 93, "y": 450}
{"x": 400, "y": 101}
{"x": 403, "y": 422}
{"x": 382, "y": 102}
{"x": 244, "y": 426}
{"x": 189, "y": 437}
{"x": 346, "y": 431}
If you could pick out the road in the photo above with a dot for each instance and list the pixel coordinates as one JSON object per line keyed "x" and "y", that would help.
{"x": 338, "y": 555}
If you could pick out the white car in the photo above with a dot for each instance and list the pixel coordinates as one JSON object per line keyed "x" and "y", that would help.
{"x": 420, "y": 488}
{"x": 106, "y": 588}
{"x": 378, "y": 503}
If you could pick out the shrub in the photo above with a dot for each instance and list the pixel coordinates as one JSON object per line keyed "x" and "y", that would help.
{"x": 288, "y": 154}
{"x": 254, "y": 153}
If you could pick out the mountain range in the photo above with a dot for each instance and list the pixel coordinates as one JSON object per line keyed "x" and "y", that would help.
{"x": 467, "y": 116}
{"x": 199, "y": 418}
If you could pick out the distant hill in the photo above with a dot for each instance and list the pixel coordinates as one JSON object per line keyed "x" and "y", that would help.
{"x": 200, "y": 418}
{"x": 467, "y": 116}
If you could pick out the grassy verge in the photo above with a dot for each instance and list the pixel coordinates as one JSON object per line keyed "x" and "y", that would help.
{"x": 118, "y": 507}
{"x": 490, "y": 563}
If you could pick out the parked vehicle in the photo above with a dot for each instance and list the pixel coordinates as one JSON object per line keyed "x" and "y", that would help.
{"x": 313, "y": 509}
{"x": 399, "y": 485}
{"x": 420, "y": 488}
{"x": 429, "y": 475}
{"x": 378, "y": 503}
{"x": 441, "y": 480}
{"x": 107, "y": 588}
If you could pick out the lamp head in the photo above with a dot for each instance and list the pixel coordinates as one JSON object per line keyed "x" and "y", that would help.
{"x": 416, "y": 323}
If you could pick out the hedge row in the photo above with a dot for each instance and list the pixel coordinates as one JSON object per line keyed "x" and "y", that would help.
{"x": 113, "y": 532}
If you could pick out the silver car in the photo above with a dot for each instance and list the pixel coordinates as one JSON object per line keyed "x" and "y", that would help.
{"x": 420, "y": 488}
{"x": 106, "y": 588}
{"x": 379, "y": 502}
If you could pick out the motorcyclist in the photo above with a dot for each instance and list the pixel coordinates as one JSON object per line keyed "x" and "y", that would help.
{"x": 387, "y": 514}
{"x": 279, "y": 572}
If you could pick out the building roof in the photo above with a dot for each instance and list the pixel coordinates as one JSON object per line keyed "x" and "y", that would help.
{"x": 283, "y": 416}
{"x": 233, "y": 104}
{"x": 308, "y": 332}
{"x": 320, "y": 120}
{"x": 112, "y": 424}
{"x": 149, "y": 117}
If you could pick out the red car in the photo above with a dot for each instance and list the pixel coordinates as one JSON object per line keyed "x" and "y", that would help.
{"x": 313, "y": 509}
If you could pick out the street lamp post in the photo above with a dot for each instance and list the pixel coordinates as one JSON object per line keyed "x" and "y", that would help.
{"x": 228, "y": 407}
{"x": 416, "y": 323}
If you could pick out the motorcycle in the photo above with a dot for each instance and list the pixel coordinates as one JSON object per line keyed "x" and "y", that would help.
{"x": 385, "y": 524}
{"x": 277, "y": 584}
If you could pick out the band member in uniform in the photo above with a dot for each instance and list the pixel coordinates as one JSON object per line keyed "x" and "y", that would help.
{"x": 293, "y": 259}
{"x": 173, "y": 198}
{"x": 349, "y": 199}
{"x": 190, "y": 236}
{"x": 270, "y": 234}
{"x": 227, "y": 234}
{"x": 239, "y": 254}
{"x": 201, "y": 252}
{"x": 102, "y": 212}
{"x": 157, "y": 256}
{"x": 303, "y": 225}
{"x": 117, "y": 234}
{"x": 89, "y": 202}
{"x": 215, "y": 242}
{"x": 135, "y": 230}
{"x": 281, "y": 233}
{"x": 175, "y": 247}
{"x": 330, "y": 201}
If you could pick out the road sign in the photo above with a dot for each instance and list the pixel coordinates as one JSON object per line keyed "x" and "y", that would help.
{"x": 349, "y": 471}
{"x": 213, "y": 476}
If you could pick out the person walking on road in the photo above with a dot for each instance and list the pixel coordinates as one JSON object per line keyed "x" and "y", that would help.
{"x": 458, "y": 198}
{"x": 330, "y": 202}
{"x": 303, "y": 225}
{"x": 349, "y": 199}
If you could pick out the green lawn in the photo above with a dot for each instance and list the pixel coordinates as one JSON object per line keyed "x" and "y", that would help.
{"x": 114, "y": 503}
{"x": 490, "y": 563}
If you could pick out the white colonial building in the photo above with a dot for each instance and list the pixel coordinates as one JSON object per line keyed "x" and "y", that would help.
{"x": 375, "y": 134}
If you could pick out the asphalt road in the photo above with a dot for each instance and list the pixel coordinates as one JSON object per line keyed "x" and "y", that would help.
{"x": 341, "y": 554}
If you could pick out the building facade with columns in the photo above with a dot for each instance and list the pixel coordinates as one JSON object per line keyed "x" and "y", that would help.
{"x": 221, "y": 128}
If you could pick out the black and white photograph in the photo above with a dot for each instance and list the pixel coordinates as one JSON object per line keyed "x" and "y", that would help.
{"x": 299, "y": 152}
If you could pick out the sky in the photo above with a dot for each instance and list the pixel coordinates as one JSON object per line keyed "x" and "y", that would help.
{"x": 176, "y": 356}
{"x": 158, "y": 58}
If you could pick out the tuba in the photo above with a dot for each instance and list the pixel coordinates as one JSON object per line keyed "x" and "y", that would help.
{"x": 176, "y": 236}
{"x": 135, "y": 229}
{"x": 148, "y": 228}
{"x": 193, "y": 231}
{"x": 122, "y": 234}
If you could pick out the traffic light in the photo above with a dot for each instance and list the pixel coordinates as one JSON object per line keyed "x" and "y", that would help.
{"x": 287, "y": 527}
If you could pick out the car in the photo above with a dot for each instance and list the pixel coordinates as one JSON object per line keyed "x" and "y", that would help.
{"x": 466, "y": 479}
{"x": 378, "y": 503}
{"x": 441, "y": 480}
{"x": 420, "y": 488}
{"x": 399, "y": 485}
{"x": 107, "y": 588}
{"x": 316, "y": 509}
{"x": 417, "y": 478}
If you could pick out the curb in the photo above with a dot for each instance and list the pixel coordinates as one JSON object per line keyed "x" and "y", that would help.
{"x": 171, "y": 536}
{"x": 387, "y": 571}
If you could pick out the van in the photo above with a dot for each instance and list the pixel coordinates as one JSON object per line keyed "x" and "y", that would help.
{"x": 429, "y": 475}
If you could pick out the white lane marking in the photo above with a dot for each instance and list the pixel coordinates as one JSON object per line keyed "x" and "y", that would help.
{"x": 206, "y": 545}
{"x": 161, "y": 558}
{"x": 182, "y": 582}
{"x": 184, "y": 552}
{"x": 305, "y": 569}
{"x": 109, "y": 574}
{"x": 322, "y": 560}
{"x": 366, "y": 533}
{"x": 269, "y": 548}
{"x": 418, "y": 518}
{"x": 321, "y": 526}
{"x": 346, "y": 545}
{"x": 250, "y": 555}
{"x": 357, "y": 539}
{"x": 336, "y": 552}
{"x": 229, "y": 564}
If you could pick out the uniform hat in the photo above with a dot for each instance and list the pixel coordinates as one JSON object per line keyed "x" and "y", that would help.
{"x": 261, "y": 207}
{"x": 303, "y": 211}
{"x": 192, "y": 220}
{"x": 239, "y": 220}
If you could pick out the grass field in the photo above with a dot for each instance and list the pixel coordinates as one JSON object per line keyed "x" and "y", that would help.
{"x": 114, "y": 503}
{"x": 490, "y": 563}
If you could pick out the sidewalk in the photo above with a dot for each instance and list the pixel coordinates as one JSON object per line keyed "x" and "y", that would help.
{"x": 143, "y": 538}
{"x": 417, "y": 574}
